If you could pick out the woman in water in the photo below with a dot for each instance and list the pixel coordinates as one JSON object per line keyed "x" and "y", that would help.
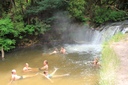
{"x": 17, "y": 77}
{"x": 49, "y": 76}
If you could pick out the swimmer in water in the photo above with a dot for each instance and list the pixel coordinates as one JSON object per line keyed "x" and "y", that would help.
{"x": 45, "y": 67}
{"x": 17, "y": 77}
{"x": 54, "y": 52}
{"x": 96, "y": 62}
{"x": 62, "y": 50}
{"x": 49, "y": 76}
{"x": 27, "y": 68}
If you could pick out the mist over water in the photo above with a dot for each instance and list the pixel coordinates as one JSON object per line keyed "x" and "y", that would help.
{"x": 86, "y": 44}
{"x": 85, "y": 39}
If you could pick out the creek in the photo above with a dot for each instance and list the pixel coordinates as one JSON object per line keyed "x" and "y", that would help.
{"x": 87, "y": 46}
{"x": 75, "y": 64}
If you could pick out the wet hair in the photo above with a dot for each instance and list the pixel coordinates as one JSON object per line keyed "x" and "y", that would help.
{"x": 26, "y": 64}
{"x": 44, "y": 72}
{"x": 56, "y": 49}
{"x": 13, "y": 71}
{"x": 62, "y": 47}
{"x": 96, "y": 60}
{"x": 46, "y": 61}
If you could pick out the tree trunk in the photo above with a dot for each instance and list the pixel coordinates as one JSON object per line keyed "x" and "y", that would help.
{"x": 2, "y": 51}
{"x": 22, "y": 7}
{"x": 26, "y": 1}
{"x": 13, "y": 3}
{"x": 32, "y": 2}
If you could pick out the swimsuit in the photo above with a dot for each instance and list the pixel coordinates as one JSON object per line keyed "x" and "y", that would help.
{"x": 40, "y": 69}
{"x": 21, "y": 77}
{"x": 49, "y": 76}
{"x": 25, "y": 68}
{"x": 16, "y": 77}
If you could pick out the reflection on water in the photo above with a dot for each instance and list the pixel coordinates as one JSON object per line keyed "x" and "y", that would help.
{"x": 73, "y": 63}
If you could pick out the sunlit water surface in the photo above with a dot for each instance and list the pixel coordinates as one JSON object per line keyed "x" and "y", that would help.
{"x": 75, "y": 64}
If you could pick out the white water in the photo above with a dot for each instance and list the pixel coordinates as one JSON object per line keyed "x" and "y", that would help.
{"x": 90, "y": 41}
{"x": 83, "y": 48}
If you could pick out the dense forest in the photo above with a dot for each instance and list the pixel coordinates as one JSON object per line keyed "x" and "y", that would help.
{"x": 24, "y": 20}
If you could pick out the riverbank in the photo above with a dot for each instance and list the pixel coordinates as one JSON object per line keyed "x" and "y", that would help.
{"x": 121, "y": 49}
{"x": 111, "y": 61}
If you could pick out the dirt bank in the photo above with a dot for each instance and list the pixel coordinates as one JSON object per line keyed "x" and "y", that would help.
{"x": 121, "y": 49}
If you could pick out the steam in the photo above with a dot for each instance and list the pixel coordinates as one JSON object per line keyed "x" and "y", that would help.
{"x": 78, "y": 33}
{"x": 82, "y": 37}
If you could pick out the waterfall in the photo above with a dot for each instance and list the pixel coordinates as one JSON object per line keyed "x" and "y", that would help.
{"x": 89, "y": 40}
{"x": 106, "y": 34}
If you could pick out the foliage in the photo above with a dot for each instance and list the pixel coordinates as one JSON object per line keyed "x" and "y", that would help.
{"x": 104, "y": 14}
{"x": 37, "y": 28}
{"x": 44, "y": 11}
{"x": 117, "y": 37}
{"x": 44, "y": 5}
{"x": 34, "y": 27}
{"x": 96, "y": 11}
{"x": 18, "y": 22}
{"x": 7, "y": 32}
{"x": 109, "y": 63}
{"x": 34, "y": 17}
{"x": 7, "y": 44}
{"x": 76, "y": 9}
{"x": 14, "y": 27}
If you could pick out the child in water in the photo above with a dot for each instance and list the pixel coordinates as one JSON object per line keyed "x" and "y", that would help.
{"x": 27, "y": 68}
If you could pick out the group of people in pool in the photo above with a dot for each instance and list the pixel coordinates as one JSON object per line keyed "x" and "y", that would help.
{"x": 29, "y": 69}
{"x": 44, "y": 69}
{"x": 62, "y": 51}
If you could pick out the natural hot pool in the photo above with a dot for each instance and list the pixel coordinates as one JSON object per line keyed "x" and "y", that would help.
{"x": 81, "y": 73}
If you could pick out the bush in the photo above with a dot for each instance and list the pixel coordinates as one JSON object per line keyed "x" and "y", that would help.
{"x": 102, "y": 15}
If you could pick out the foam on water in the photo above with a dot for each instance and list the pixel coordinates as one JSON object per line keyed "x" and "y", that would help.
{"x": 83, "y": 48}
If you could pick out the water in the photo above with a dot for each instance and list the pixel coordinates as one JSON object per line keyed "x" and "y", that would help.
{"x": 74, "y": 63}
{"x": 84, "y": 48}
